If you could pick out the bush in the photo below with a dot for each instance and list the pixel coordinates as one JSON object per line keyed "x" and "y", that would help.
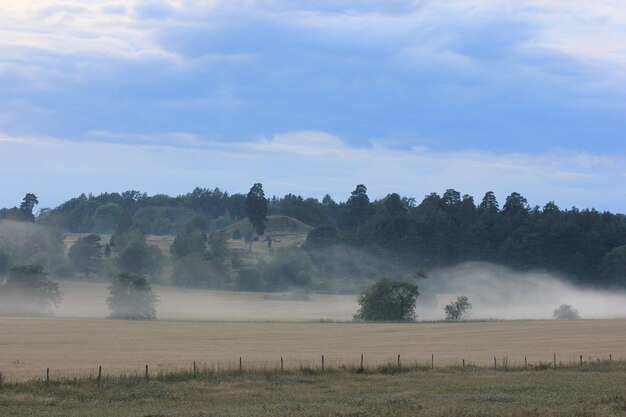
{"x": 289, "y": 268}
{"x": 249, "y": 279}
{"x": 321, "y": 236}
{"x": 5, "y": 261}
{"x": 131, "y": 297}
{"x": 28, "y": 291}
{"x": 457, "y": 309}
{"x": 566, "y": 312}
{"x": 197, "y": 271}
{"x": 86, "y": 254}
{"x": 388, "y": 300}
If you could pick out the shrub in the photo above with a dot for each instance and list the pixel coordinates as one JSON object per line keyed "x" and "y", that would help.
{"x": 457, "y": 309}
{"x": 28, "y": 291}
{"x": 132, "y": 297}
{"x": 566, "y": 312}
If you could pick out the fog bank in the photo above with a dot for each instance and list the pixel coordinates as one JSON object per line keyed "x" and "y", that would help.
{"x": 500, "y": 293}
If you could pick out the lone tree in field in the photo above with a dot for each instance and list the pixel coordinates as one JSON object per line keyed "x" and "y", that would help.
{"x": 86, "y": 254}
{"x": 387, "y": 300}
{"x": 566, "y": 312}
{"x": 457, "y": 309}
{"x": 131, "y": 297}
{"x": 28, "y": 291}
{"x": 256, "y": 209}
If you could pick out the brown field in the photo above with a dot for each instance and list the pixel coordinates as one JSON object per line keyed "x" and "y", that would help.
{"x": 75, "y": 347}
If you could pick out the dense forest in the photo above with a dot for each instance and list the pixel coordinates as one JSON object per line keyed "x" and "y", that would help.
{"x": 584, "y": 245}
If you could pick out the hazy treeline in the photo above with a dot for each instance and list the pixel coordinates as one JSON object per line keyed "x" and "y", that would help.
{"x": 350, "y": 237}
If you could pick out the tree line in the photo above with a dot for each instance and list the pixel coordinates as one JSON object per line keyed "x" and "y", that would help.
{"x": 584, "y": 245}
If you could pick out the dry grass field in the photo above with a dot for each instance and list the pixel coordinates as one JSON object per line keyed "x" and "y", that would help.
{"x": 588, "y": 392}
{"x": 75, "y": 347}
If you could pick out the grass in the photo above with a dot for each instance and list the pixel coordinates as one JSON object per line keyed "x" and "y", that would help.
{"x": 596, "y": 389}
{"x": 78, "y": 346}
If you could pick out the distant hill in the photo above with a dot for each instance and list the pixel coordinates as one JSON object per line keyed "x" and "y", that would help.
{"x": 276, "y": 225}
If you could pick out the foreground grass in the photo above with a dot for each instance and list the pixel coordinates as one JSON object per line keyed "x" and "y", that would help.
{"x": 587, "y": 391}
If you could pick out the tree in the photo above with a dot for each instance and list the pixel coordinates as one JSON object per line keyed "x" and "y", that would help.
{"x": 457, "y": 309}
{"x": 190, "y": 241}
{"x": 256, "y": 210}
{"x": 614, "y": 266}
{"x": 132, "y": 298}
{"x": 5, "y": 261}
{"x": 26, "y": 207}
{"x": 86, "y": 254}
{"x": 515, "y": 203}
{"x": 321, "y": 236}
{"x": 566, "y": 312}
{"x": 489, "y": 203}
{"x": 140, "y": 258}
{"x": 388, "y": 300}
{"x": 358, "y": 206}
{"x": 28, "y": 291}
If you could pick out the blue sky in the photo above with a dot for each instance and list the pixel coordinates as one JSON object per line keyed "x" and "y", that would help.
{"x": 312, "y": 97}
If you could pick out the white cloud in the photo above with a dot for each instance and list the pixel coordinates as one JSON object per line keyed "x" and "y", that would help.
{"x": 308, "y": 163}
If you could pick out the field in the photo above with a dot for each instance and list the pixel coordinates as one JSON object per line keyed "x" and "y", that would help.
{"x": 596, "y": 390}
{"x": 76, "y": 347}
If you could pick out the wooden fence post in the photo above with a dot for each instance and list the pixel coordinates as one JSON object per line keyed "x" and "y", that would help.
{"x": 432, "y": 361}
{"x": 99, "y": 374}
{"x": 581, "y": 360}
{"x": 282, "y": 366}
{"x": 495, "y": 363}
{"x": 194, "y": 369}
{"x": 610, "y": 358}
{"x": 361, "y": 368}
{"x": 322, "y": 363}
{"x": 147, "y": 375}
{"x": 398, "y": 361}
{"x": 240, "y": 366}
{"x": 1, "y": 379}
{"x": 525, "y": 362}
{"x": 463, "y": 363}
{"x": 554, "y": 360}
{"x": 47, "y": 376}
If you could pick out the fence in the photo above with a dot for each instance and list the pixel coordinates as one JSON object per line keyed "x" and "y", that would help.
{"x": 198, "y": 370}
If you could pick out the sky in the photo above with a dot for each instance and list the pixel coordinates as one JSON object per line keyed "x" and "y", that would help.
{"x": 313, "y": 97}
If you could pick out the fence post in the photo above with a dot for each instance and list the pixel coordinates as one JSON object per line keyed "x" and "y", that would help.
{"x": 463, "y": 363}
{"x": 525, "y": 362}
{"x": 398, "y": 361}
{"x": 581, "y": 360}
{"x": 554, "y": 360}
{"x": 194, "y": 369}
{"x": 47, "y": 376}
{"x": 610, "y": 358}
{"x": 322, "y": 363}
{"x": 147, "y": 375}
{"x": 282, "y": 366}
{"x": 432, "y": 361}
{"x": 495, "y": 363}
{"x": 99, "y": 374}
{"x": 240, "y": 366}
{"x": 1, "y": 379}
{"x": 361, "y": 368}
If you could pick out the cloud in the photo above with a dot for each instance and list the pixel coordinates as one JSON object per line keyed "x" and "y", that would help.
{"x": 306, "y": 162}
{"x": 496, "y": 76}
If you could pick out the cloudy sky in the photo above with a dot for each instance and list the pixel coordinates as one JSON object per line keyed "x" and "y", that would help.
{"x": 313, "y": 97}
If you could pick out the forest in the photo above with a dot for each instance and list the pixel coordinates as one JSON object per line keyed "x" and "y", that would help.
{"x": 406, "y": 236}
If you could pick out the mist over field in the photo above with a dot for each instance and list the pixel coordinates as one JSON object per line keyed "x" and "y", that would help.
{"x": 495, "y": 292}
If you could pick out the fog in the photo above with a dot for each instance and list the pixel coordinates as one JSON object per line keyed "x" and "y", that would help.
{"x": 495, "y": 292}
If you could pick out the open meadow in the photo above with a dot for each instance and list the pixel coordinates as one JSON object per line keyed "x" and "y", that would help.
{"x": 596, "y": 390}
{"x": 76, "y": 347}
